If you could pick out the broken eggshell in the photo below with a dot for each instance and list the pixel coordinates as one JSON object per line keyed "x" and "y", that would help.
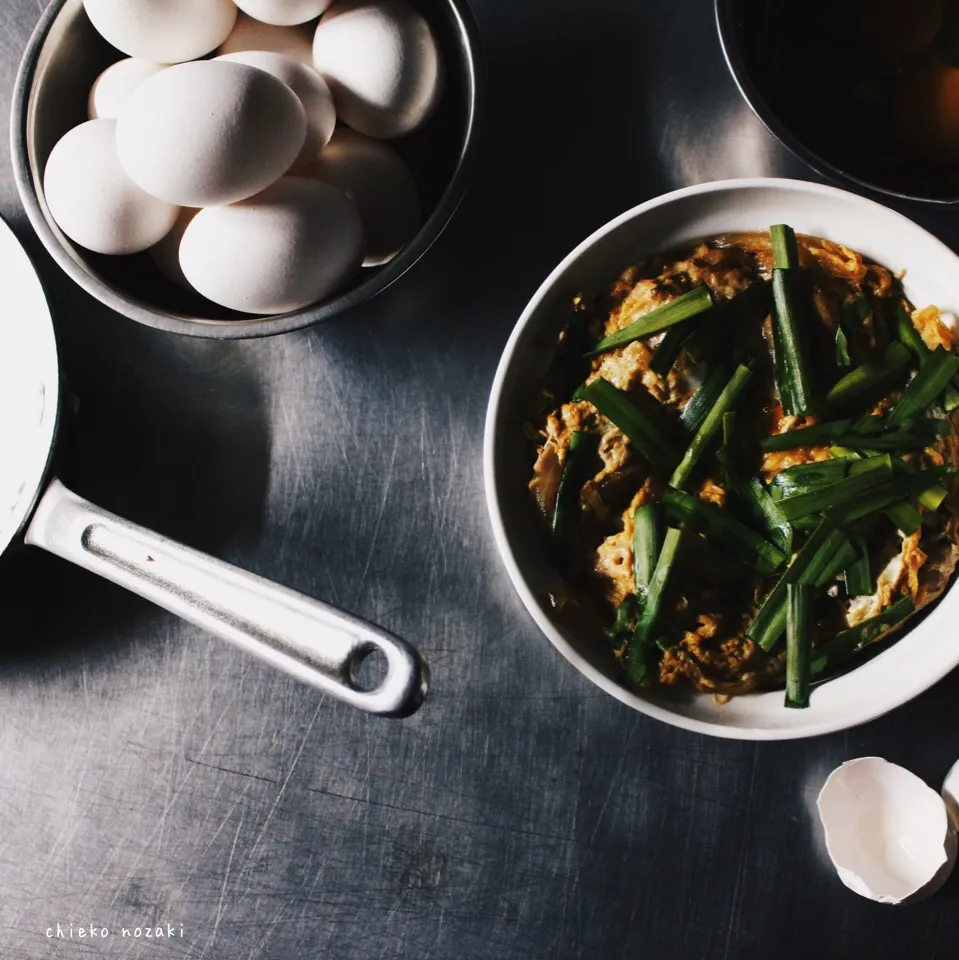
{"x": 950, "y": 793}
{"x": 888, "y": 834}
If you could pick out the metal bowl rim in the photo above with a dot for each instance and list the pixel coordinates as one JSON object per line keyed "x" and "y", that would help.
{"x": 476, "y": 83}
{"x": 756, "y": 102}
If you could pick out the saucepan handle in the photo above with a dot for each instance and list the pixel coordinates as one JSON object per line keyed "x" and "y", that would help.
{"x": 309, "y": 640}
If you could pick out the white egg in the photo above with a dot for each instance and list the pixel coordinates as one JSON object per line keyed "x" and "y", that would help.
{"x": 382, "y": 63}
{"x": 112, "y": 88}
{"x": 373, "y": 175}
{"x": 210, "y": 132}
{"x": 307, "y": 84}
{"x": 166, "y": 253}
{"x": 289, "y": 246}
{"x": 164, "y": 31}
{"x": 92, "y": 199}
{"x": 283, "y": 13}
{"x": 250, "y": 34}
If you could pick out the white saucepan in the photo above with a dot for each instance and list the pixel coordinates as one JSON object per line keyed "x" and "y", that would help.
{"x": 313, "y": 642}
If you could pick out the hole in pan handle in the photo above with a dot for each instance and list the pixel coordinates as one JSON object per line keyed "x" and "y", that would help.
{"x": 309, "y": 640}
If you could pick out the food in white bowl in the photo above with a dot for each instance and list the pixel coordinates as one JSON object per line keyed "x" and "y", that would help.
{"x": 164, "y": 31}
{"x": 382, "y": 63}
{"x": 745, "y": 459}
{"x": 94, "y": 201}
{"x": 113, "y": 87}
{"x": 288, "y": 246}
{"x": 680, "y": 220}
{"x": 211, "y": 132}
{"x": 373, "y": 175}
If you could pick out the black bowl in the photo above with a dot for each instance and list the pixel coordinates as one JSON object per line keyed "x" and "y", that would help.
{"x": 754, "y": 34}
{"x": 64, "y": 57}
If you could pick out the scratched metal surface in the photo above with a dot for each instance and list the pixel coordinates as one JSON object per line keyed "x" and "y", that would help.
{"x": 151, "y": 776}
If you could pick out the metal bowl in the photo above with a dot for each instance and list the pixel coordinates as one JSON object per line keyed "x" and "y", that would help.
{"x": 64, "y": 57}
{"x": 742, "y": 25}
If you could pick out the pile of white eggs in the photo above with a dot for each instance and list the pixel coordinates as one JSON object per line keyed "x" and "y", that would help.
{"x": 258, "y": 176}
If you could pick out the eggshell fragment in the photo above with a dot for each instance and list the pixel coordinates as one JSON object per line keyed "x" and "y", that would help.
{"x": 950, "y": 793}
{"x": 164, "y": 31}
{"x": 289, "y": 246}
{"x": 210, "y": 132}
{"x": 382, "y": 63}
{"x": 92, "y": 199}
{"x": 113, "y": 87}
{"x": 250, "y": 34}
{"x": 283, "y": 12}
{"x": 166, "y": 253}
{"x": 307, "y": 84}
{"x": 887, "y": 833}
{"x": 373, "y": 175}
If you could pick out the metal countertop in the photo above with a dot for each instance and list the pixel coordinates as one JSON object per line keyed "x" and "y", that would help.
{"x": 151, "y": 776}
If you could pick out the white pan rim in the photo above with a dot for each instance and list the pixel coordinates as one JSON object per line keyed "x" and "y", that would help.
{"x": 29, "y": 387}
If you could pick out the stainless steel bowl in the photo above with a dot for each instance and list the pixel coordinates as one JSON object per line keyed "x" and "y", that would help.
{"x": 742, "y": 26}
{"x": 64, "y": 57}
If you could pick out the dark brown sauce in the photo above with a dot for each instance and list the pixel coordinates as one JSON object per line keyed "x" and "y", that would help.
{"x": 872, "y": 86}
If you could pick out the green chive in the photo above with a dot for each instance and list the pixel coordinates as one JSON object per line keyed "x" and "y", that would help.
{"x": 671, "y": 346}
{"x": 579, "y": 467}
{"x": 800, "y": 624}
{"x": 789, "y": 336}
{"x": 729, "y": 454}
{"x": 901, "y": 488}
{"x": 626, "y": 613}
{"x": 842, "y": 348}
{"x": 657, "y": 587}
{"x": 867, "y": 432}
{"x": 921, "y": 393}
{"x": 646, "y": 435}
{"x": 905, "y": 516}
{"x": 859, "y": 579}
{"x": 711, "y": 340}
{"x": 647, "y": 543}
{"x": 868, "y": 376}
{"x": 785, "y": 248}
{"x": 804, "y": 476}
{"x": 794, "y": 371}
{"x": 807, "y": 566}
{"x": 704, "y": 399}
{"x": 932, "y": 498}
{"x": 717, "y": 525}
{"x": 766, "y": 513}
{"x": 852, "y": 641}
{"x": 637, "y": 662}
{"x": 906, "y": 333}
{"x": 844, "y": 555}
{"x": 875, "y": 471}
{"x": 709, "y": 433}
{"x": 688, "y": 305}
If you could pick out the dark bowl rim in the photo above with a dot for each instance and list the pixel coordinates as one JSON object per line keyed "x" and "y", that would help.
{"x": 732, "y": 52}
{"x": 254, "y": 327}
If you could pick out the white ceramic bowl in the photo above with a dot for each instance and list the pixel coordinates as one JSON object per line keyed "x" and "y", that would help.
{"x": 924, "y": 655}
